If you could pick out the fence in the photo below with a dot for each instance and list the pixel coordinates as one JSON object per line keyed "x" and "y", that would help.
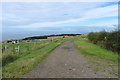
{"x": 14, "y": 50}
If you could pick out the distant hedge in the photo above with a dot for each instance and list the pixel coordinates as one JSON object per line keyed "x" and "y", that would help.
{"x": 108, "y": 40}
{"x": 46, "y": 36}
{"x": 35, "y": 37}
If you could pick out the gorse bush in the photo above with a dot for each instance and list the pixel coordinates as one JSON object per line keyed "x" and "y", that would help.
{"x": 108, "y": 40}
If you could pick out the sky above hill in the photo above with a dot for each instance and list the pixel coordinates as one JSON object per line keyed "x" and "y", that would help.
{"x": 59, "y": 16}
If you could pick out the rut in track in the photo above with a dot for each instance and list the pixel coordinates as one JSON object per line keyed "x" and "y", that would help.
{"x": 64, "y": 62}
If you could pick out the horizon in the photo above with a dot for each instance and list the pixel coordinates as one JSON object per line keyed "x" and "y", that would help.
{"x": 22, "y": 36}
{"x": 45, "y": 18}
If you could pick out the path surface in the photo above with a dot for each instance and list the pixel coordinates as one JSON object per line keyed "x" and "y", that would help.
{"x": 64, "y": 62}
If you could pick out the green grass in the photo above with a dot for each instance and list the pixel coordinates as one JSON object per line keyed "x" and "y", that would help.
{"x": 25, "y": 48}
{"x": 88, "y": 48}
{"x": 27, "y": 61}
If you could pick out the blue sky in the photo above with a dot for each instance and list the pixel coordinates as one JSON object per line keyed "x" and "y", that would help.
{"x": 59, "y": 16}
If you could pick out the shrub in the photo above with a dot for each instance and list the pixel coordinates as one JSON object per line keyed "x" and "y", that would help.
{"x": 112, "y": 41}
{"x": 107, "y": 40}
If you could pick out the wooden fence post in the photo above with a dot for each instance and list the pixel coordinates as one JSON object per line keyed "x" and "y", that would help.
{"x": 13, "y": 49}
{"x": 19, "y": 50}
{"x": 6, "y": 48}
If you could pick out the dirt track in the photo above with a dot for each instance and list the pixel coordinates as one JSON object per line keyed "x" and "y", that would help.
{"x": 65, "y": 62}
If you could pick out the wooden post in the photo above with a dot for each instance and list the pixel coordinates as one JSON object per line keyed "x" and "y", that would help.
{"x": 6, "y": 48}
{"x": 13, "y": 49}
{"x": 18, "y": 50}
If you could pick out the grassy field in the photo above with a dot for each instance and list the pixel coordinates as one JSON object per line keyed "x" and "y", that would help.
{"x": 88, "y": 48}
{"x": 15, "y": 65}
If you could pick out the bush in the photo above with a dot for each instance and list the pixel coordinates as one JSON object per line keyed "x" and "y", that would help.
{"x": 112, "y": 41}
{"x": 92, "y": 37}
{"x": 107, "y": 40}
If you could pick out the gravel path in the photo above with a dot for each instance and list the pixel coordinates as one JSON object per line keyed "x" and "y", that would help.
{"x": 65, "y": 62}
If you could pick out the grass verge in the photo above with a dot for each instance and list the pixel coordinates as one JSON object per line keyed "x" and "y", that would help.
{"x": 88, "y": 48}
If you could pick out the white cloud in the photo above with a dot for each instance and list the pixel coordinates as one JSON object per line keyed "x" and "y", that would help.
{"x": 101, "y": 12}
{"x": 108, "y": 11}
{"x": 48, "y": 24}
{"x": 107, "y": 23}
{"x": 44, "y": 12}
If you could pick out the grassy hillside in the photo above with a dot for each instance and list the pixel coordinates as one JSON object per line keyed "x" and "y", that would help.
{"x": 15, "y": 65}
